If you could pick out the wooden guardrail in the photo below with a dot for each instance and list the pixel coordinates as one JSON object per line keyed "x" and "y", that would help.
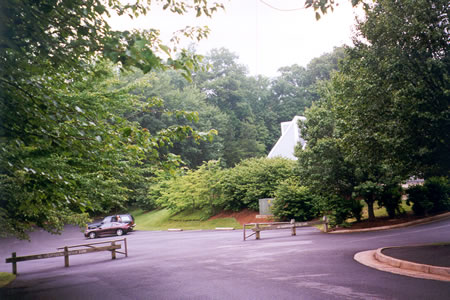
{"x": 88, "y": 248}
{"x": 258, "y": 227}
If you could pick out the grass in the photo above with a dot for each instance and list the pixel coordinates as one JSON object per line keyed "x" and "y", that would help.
{"x": 380, "y": 212}
{"x": 163, "y": 219}
{"x": 188, "y": 220}
{"x": 6, "y": 278}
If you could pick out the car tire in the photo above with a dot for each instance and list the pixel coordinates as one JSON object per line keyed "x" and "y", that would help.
{"x": 119, "y": 232}
{"x": 92, "y": 235}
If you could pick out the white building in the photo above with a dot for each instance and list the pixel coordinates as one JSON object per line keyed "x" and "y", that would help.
{"x": 290, "y": 137}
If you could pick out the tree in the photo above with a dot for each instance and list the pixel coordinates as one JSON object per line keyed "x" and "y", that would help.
{"x": 227, "y": 87}
{"x": 66, "y": 146}
{"x": 323, "y": 166}
{"x": 395, "y": 87}
{"x": 392, "y": 83}
{"x": 177, "y": 96}
{"x": 321, "y": 7}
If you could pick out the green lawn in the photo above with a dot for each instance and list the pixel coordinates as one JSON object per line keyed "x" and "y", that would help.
{"x": 6, "y": 278}
{"x": 380, "y": 211}
{"x": 163, "y": 219}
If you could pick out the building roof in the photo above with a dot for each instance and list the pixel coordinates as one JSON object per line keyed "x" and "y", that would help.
{"x": 290, "y": 137}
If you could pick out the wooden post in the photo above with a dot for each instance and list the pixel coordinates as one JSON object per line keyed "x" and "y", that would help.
{"x": 113, "y": 251}
{"x": 294, "y": 232}
{"x": 244, "y": 232}
{"x": 126, "y": 248}
{"x": 66, "y": 257}
{"x": 257, "y": 232}
{"x": 14, "y": 263}
{"x": 325, "y": 224}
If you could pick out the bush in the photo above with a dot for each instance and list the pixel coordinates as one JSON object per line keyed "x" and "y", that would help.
{"x": 339, "y": 209}
{"x": 254, "y": 179}
{"x": 438, "y": 190}
{"x": 432, "y": 197}
{"x": 293, "y": 201}
{"x": 391, "y": 198}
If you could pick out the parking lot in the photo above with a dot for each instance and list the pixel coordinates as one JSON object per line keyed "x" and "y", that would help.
{"x": 219, "y": 265}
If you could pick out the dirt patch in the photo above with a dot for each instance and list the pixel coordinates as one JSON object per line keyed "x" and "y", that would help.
{"x": 248, "y": 216}
{"x": 381, "y": 221}
{"x": 243, "y": 217}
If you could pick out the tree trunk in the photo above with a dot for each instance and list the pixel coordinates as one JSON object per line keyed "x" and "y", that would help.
{"x": 370, "y": 209}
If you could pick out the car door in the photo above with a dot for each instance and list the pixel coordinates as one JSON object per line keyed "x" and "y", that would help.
{"x": 106, "y": 228}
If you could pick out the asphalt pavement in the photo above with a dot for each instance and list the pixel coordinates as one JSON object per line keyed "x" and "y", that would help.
{"x": 220, "y": 265}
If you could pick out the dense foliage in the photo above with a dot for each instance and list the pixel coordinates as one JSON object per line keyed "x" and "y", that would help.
{"x": 430, "y": 198}
{"x": 385, "y": 116}
{"x": 67, "y": 146}
{"x": 254, "y": 179}
{"x": 94, "y": 119}
{"x": 211, "y": 188}
{"x": 294, "y": 201}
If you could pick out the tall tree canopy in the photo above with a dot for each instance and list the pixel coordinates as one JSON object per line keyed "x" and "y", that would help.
{"x": 395, "y": 87}
{"x": 66, "y": 144}
{"x": 388, "y": 107}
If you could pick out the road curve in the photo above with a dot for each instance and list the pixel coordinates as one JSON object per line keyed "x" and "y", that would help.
{"x": 219, "y": 265}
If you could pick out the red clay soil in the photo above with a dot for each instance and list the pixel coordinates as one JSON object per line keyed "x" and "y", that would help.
{"x": 243, "y": 217}
{"x": 248, "y": 216}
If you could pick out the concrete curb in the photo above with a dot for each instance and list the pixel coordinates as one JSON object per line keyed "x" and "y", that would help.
{"x": 403, "y": 264}
{"x": 415, "y": 222}
{"x": 377, "y": 260}
{"x": 224, "y": 228}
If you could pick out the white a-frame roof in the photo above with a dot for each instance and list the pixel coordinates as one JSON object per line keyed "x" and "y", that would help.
{"x": 290, "y": 137}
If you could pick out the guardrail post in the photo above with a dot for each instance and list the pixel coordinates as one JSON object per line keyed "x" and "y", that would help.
{"x": 294, "y": 232}
{"x": 257, "y": 231}
{"x": 66, "y": 257}
{"x": 126, "y": 248}
{"x": 14, "y": 263}
{"x": 113, "y": 252}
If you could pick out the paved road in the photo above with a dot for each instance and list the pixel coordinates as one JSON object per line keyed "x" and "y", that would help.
{"x": 219, "y": 265}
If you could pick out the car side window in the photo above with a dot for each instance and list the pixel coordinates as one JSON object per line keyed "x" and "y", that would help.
{"x": 126, "y": 219}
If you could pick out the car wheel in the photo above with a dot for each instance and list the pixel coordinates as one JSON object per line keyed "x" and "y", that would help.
{"x": 119, "y": 232}
{"x": 92, "y": 235}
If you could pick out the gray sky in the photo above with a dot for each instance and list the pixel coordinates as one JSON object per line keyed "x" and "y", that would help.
{"x": 265, "y": 38}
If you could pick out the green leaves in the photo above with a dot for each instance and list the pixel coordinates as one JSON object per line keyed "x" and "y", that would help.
{"x": 67, "y": 146}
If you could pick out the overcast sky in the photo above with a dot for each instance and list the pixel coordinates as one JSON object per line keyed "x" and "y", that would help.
{"x": 265, "y": 34}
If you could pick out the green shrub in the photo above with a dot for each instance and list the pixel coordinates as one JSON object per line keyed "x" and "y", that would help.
{"x": 254, "y": 179}
{"x": 432, "y": 197}
{"x": 391, "y": 198}
{"x": 293, "y": 201}
{"x": 339, "y": 209}
{"x": 438, "y": 190}
{"x": 356, "y": 208}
